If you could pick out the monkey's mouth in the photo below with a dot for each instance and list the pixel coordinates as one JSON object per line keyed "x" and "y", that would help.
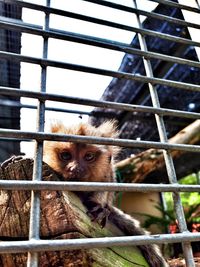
{"x": 72, "y": 178}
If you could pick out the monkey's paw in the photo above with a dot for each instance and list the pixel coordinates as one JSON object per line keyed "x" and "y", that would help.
{"x": 98, "y": 213}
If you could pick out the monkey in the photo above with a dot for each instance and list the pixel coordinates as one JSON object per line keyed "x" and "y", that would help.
{"x": 84, "y": 162}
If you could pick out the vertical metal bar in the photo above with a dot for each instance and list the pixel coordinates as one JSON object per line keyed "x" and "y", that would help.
{"x": 197, "y": 2}
{"x": 187, "y": 249}
{"x": 34, "y": 232}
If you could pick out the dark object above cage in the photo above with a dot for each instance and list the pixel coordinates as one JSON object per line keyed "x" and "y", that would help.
{"x": 142, "y": 125}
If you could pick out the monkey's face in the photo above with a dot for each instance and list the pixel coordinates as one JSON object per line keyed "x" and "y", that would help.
{"x": 80, "y": 162}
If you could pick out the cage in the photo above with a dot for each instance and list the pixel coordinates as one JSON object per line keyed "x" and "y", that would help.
{"x": 136, "y": 62}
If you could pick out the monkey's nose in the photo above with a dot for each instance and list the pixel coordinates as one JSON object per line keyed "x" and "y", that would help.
{"x": 75, "y": 172}
{"x": 72, "y": 168}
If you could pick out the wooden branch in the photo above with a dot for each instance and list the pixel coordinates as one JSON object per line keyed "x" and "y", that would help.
{"x": 62, "y": 216}
{"x": 138, "y": 167}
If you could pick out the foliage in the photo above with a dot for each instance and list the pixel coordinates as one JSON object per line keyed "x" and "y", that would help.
{"x": 187, "y": 198}
{"x": 162, "y": 222}
{"x": 191, "y": 205}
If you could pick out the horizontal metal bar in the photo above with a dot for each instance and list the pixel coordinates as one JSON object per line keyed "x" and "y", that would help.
{"x": 177, "y": 5}
{"x": 123, "y": 47}
{"x": 87, "y": 243}
{"x": 94, "y": 186}
{"x": 89, "y": 40}
{"x": 110, "y": 24}
{"x": 104, "y": 22}
{"x": 104, "y": 3}
{"x": 144, "y": 13}
{"x": 19, "y": 22}
{"x": 85, "y": 18}
{"x": 9, "y": 103}
{"x": 71, "y": 15}
{"x": 96, "y": 103}
{"x": 40, "y": 136}
{"x": 12, "y": 140}
{"x": 108, "y": 4}
{"x": 122, "y": 75}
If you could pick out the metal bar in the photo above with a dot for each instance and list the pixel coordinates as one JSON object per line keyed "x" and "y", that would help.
{"x": 101, "y": 242}
{"x": 64, "y": 35}
{"x": 99, "y": 42}
{"x": 72, "y": 15}
{"x": 34, "y": 228}
{"x": 187, "y": 248}
{"x": 197, "y": 2}
{"x": 107, "y": 4}
{"x": 126, "y": 48}
{"x": 41, "y": 136}
{"x": 19, "y": 22}
{"x": 94, "y": 186}
{"x": 152, "y": 33}
{"x": 177, "y": 5}
{"x": 96, "y": 103}
{"x": 144, "y": 13}
{"x": 9, "y": 103}
{"x": 104, "y": 72}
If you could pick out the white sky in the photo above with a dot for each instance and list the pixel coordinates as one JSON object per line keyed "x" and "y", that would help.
{"x": 68, "y": 82}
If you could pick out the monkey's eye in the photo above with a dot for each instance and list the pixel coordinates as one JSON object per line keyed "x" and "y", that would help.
{"x": 65, "y": 155}
{"x": 90, "y": 156}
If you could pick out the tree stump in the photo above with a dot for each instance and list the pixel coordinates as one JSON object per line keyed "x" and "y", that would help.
{"x": 62, "y": 216}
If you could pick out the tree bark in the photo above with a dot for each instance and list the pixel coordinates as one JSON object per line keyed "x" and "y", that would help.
{"x": 62, "y": 216}
{"x": 150, "y": 163}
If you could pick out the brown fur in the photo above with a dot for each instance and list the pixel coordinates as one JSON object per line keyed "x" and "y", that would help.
{"x": 99, "y": 204}
{"x": 101, "y": 170}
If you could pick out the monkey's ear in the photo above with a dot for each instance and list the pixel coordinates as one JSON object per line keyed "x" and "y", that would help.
{"x": 57, "y": 127}
{"x": 109, "y": 129}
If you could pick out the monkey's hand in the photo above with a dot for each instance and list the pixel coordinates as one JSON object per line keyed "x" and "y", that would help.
{"x": 12, "y": 159}
{"x": 98, "y": 213}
